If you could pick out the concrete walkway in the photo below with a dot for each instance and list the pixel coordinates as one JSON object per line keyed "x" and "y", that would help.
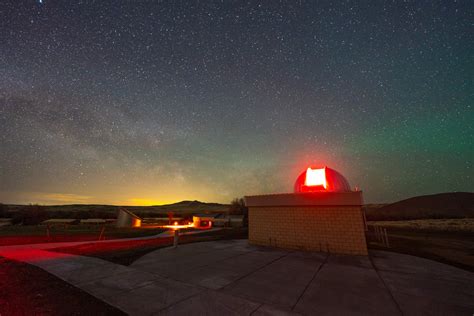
{"x": 233, "y": 278}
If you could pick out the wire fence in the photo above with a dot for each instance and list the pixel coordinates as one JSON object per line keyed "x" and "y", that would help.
{"x": 378, "y": 234}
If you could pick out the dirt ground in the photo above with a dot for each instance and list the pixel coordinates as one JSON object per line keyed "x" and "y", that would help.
{"x": 28, "y": 290}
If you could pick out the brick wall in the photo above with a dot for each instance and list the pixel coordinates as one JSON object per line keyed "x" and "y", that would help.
{"x": 334, "y": 229}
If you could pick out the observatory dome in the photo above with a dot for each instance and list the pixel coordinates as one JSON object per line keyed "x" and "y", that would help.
{"x": 321, "y": 180}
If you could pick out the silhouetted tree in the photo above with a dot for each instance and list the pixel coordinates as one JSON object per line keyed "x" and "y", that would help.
{"x": 30, "y": 215}
{"x": 3, "y": 210}
{"x": 238, "y": 207}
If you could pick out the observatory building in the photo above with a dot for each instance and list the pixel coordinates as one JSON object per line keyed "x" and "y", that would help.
{"x": 322, "y": 214}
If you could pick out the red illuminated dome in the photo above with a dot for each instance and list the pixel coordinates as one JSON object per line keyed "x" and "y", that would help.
{"x": 321, "y": 180}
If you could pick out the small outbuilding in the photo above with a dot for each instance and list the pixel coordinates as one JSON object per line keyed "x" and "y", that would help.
{"x": 203, "y": 220}
{"x": 125, "y": 218}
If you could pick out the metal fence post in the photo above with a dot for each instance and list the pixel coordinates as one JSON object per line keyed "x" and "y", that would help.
{"x": 386, "y": 238}
{"x": 47, "y": 232}
{"x": 102, "y": 232}
{"x": 175, "y": 238}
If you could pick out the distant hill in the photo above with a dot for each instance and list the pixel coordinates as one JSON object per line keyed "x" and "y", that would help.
{"x": 371, "y": 208}
{"x": 182, "y": 207}
{"x": 443, "y": 205}
{"x": 109, "y": 211}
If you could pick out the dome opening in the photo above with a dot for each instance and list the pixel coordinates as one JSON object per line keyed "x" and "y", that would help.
{"x": 321, "y": 180}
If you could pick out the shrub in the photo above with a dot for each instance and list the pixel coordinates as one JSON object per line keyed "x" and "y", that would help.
{"x": 30, "y": 215}
{"x": 3, "y": 210}
{"x": 238, "y": 207}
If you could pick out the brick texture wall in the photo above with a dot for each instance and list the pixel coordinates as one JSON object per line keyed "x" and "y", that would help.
{"x": 334, "y": 229}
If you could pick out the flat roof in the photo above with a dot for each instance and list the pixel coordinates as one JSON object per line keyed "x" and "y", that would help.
{"x": 59, "y": 221}
{"x": 129, "y": 212}
{"x": 93, "y": 220}
{"x": 306, "y": 199}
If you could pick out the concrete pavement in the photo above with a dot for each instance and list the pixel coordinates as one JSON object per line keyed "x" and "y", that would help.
{"x": 233, "y": 278}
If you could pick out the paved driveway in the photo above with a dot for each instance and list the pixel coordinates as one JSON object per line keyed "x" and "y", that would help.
{"x": 233, "y": 278}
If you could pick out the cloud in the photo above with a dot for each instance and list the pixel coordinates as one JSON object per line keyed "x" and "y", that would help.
{"x": 53, "y": 198}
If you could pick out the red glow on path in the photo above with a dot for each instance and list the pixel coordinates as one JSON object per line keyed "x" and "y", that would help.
{"x": 32, "y": 255}
{"x": 40, "y": 239}
{"x": 115, "y": 246}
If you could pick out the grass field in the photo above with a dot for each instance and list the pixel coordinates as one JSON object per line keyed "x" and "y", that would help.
{"x": 449, "y": 241}
{"x": 458, "y": 225}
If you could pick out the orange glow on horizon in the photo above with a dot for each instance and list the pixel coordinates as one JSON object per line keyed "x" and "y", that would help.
{"x": 316, "y": 177}
{"x": 145, "y": 202}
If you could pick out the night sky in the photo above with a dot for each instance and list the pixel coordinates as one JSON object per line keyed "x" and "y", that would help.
{"x": 151, "y": 102}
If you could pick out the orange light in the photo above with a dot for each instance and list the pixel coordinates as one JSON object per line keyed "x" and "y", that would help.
{"x": 316, "y": 177}
{"x": 176, "y": 226}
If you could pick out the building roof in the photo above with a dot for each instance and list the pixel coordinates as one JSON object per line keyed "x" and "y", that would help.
{"x": 129, "y": 213}
{"x": 306, "y": 199}
{"x": 93, "y": 220}
{"x": 59, "y": 221}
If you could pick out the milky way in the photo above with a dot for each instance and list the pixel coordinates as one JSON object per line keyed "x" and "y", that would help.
{"x": 149, "y": 102}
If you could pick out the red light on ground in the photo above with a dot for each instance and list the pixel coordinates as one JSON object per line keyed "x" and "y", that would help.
{"x": 316, "y": 177}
